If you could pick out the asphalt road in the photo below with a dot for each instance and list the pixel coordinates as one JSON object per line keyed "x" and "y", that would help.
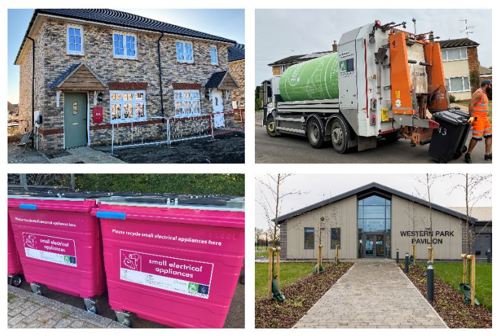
{"x": 294, "y": 149}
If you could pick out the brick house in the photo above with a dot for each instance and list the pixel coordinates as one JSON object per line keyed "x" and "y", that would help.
{"x": 461, "y": 67}
{"x": 86, "y": 72}
{"x": 236, "y": 70}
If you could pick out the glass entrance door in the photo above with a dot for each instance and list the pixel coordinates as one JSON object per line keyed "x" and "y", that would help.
{"x": 374, "y": 245}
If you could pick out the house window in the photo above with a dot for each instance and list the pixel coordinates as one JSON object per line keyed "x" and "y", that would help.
{"x": 184, "y": 52}
{"x": 127, "y": 106}
{"x": 309, "y": 235}
{"x": 335, "y": 237}
{"x": 187, "y": 103}
{"x": 455, "y": 54}
{"x": 457, "y": 84}
{"x": 74, "y": 43}
{"x": 214, "y": 55}
{"x": 125, "y": 45}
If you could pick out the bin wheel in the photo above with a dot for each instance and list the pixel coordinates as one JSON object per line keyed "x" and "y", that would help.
{"x": 15, "y": 280}
{"x": 90, "y": 305}
{"x": 464, "y": 149}
{"x": 124, "y": 318}
{"x": 36, "y": 288}
{"x": 126, "y": 322}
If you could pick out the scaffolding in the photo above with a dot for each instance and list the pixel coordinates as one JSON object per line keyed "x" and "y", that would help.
{"x": 170, "y": 137}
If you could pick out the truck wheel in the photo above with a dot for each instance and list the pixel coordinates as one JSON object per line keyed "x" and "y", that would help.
{"x": 315, "y": 133}
{"x": 339, "y": 135}
{"x": 271, "y": 126}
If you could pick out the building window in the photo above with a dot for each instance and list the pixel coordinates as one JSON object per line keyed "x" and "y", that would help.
{"x": 74, "y": 40}
{"x": 457, "y": 84}
{"x": 125, "y": 45}
{"x": 309, "y": 235}
{"x": 184, "y": 52}
{"x": 374, "y": 225}
{"x": 455, "y": 54}
{"x": 335, "y": 237}
{"x": 187, "y": 103}
{"x": 214, "y": 55}
{"x": 128, "y": 106}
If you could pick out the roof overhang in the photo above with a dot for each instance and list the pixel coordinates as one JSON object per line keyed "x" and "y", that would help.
{"x": 373, "y": 188}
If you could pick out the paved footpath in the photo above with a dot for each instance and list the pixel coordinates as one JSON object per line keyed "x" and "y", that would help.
{"x": 372, "y": 294}
{"x": 27, "y": 310}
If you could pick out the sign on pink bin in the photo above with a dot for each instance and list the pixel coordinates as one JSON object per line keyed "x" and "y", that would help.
{"x": 14, "y": 268}
{"x": 174, "y": 265}
{"x": 58, "y": 241}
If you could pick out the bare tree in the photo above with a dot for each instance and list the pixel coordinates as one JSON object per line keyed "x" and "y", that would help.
{"x": 475, "y": 188}
{"x": 427, "y": 182}
{"x": 271, "y": 201}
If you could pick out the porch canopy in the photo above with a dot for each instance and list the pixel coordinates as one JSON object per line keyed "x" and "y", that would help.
{"x": 78, "y": 77}
{"x": 221, "y": 80}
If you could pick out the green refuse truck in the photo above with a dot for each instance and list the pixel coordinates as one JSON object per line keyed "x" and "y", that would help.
{"x": 382, "y": 83}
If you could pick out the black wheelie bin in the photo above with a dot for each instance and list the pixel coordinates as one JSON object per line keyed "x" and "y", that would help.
{"x": 448, "y": 141}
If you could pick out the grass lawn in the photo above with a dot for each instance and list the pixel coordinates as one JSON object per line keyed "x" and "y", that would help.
{"x": 290, "y": 272}
{"x": 451, "y": 272}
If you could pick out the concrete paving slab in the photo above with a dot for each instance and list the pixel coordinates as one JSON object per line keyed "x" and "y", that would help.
{"x": 372, "y": 294}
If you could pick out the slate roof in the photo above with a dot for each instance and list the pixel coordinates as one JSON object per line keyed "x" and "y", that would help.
{"x": 215, "y": 79}
{"x": 455, "y": 43}
{"x": 62, "y": 77}
{"x": 123, "y": 19}
{"x": 373, "y": 188}
{"x": 236, "y": 52}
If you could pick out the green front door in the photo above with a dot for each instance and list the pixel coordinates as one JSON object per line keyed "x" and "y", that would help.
{"x": 75, "y": 119}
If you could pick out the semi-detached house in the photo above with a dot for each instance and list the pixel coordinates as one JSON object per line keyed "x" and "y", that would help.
{"x": 84, "y": 72}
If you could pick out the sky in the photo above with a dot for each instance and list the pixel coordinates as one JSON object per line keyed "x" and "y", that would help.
{"x": 227, "y": 23}
{"x": 281, "y": 33}
{"x": 317, "y": 187}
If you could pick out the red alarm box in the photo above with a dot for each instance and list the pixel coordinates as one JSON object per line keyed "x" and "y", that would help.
{"x": 97, "y": 114}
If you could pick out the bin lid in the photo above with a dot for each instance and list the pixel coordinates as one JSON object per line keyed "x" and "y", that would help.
{"x": 452, "y": 117}
{"x": 54, "y": 193}
{"x": 202, "y": 202}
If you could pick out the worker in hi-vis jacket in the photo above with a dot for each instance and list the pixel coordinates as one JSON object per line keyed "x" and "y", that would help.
{"x": 481, "y": 125}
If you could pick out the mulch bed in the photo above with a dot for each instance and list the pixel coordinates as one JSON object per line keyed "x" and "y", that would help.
{"x": 300, "y": 297}
{"x": 449, "y": 303}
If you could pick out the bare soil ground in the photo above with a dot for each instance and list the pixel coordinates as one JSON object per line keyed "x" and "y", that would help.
{"x": 225, "y": 148}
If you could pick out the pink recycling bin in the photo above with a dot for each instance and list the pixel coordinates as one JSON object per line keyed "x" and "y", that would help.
{"x": 175, "y": 265}
{"x": 14, "y": 268}
{"x": 58, "y": 241}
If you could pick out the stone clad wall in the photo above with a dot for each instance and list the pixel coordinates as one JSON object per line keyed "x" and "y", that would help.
{"x": 236, "y": 70}
{"x": 98, "y": 56}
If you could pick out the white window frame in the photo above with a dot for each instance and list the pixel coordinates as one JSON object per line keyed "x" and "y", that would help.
{"x": 445, "y": 55}
{"x": 125, "y": 54}
{"x": 175, "y": 101}
{"x": 216, "y": 54}
{"x": 122, "y": 119}
{"x": 448, "y": 81}
{"x": 82, "y": 39}
{"x": 184, "y": 43}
